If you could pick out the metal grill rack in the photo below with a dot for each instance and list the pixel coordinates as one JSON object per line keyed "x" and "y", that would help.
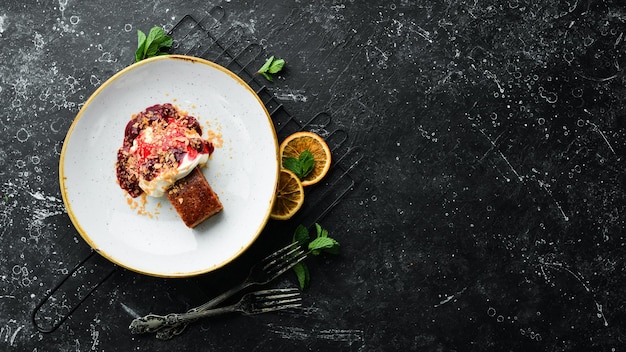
{"x": 233, "y": 50}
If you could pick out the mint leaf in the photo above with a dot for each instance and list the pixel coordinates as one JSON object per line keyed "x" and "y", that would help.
{"x": 293, "y": 165}
{"x": 302, "y": 166}
{"x": 266, "y": 65}
{"x": 153, "y": 44}
{"x": 154, "y": 34}
{"x": 303, "y": 275}
{"x": 319, "y": 229}
{"x": 166, "y": 42}
{"x": 307, "y": 163}
{"x": 271, "y": 66}
{"x": 276, "y": 66}
{"x": 141, "y": 44}
{"x": 301, "y": 235}
{"x": 332, "y": 250}
{"x": 322, "y": 243}
{"x": 267, "y": 76}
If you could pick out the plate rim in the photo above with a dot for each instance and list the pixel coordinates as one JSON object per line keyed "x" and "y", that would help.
{"x": 92, "y": 97}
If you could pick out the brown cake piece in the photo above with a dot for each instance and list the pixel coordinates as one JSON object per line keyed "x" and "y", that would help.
{"x": 193, "y": 199}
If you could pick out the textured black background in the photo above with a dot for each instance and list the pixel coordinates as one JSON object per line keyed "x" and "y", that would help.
{"x": 488, "y": 206}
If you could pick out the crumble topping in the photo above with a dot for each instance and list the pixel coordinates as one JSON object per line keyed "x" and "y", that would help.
{"x": 161, "y": 145}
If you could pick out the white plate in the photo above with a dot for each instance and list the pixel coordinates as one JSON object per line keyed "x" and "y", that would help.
{"x": 243, "y": 171}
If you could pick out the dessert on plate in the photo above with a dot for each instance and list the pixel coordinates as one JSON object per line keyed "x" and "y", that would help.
{"x": 161, "y": 154}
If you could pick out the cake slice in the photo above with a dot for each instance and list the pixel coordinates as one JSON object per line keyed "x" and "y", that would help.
{"x": 193, "y": 198}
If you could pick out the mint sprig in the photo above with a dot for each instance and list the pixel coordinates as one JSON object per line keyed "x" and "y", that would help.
{"x": 301, "y": 166}
{"x": 155, "y": 43}
{"x": 322, "y": 243}
{"x": 271, "y": 66}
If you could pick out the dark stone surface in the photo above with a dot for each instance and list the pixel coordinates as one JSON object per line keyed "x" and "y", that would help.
{"x": 488, "y": 206}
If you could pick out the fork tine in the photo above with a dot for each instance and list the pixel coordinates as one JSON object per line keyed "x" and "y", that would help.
{"x": 287, "y": 263}
{"x": 270, "y": 258}
{"x": 278, "y": 303}
{"x": 274, "y": 300}
{"x": 272, "y": 295}
{"x": 274, "y": 309}
{"x": 282, "y": 257}
{"x": 273, "y": 291}
{"x": 293, "y": 303}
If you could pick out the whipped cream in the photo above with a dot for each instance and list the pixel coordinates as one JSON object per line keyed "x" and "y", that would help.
{"x": 159, "y": 185}
{"x": 150, "y": 143}
{"x": 161, "y": 146}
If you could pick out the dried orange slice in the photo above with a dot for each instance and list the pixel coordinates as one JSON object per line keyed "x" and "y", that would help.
{"x": 297, "y": 143}
{"x": 289, "y": 196}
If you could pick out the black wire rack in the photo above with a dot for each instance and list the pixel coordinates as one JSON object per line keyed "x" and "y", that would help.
{"x": 233, "y": 49}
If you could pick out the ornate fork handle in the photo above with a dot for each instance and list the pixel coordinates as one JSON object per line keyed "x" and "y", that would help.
{"x": 251, "y": 303}
{"x": 154, "y": 322}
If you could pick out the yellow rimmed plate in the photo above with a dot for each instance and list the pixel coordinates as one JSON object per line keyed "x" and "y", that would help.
{"x": 147, "y": 235}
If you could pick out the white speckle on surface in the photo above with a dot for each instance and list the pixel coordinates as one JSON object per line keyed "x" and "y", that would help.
{"x": 38, "y": 41}
{"x": 95, "y": 337}
{"x": 287, "y": 94}
{"x": 22, "y": 135}
{"x": 130, "y": 311}
{"x": 349, "y": 336}
{"x": 40, "y": 196}
{"x": 3, "y": 24}
{"x": 94, "y": 80}
{"x": 11, "y": 343}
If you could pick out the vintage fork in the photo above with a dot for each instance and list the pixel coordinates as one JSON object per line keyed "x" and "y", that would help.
{"x": 265, "y": 271}
{"x": 252, "y": 303}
